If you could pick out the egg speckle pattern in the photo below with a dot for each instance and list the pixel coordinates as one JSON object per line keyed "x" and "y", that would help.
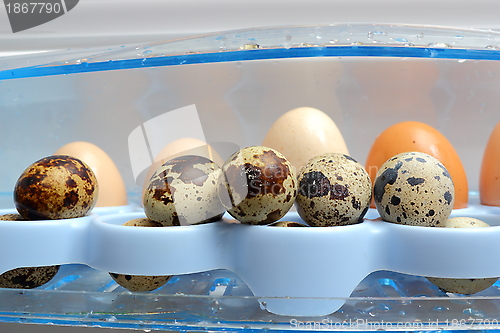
{"x": 56, "y": 187}
{"x": 463, "y": 286}
{"x": 184, "y": 191}
{"x": 140, "y": 282}
{"x": 334, "y": 190}
{"x": 260, "y": 185}
{"x": 414, "y": 188}
{"x": 28, "y": 277}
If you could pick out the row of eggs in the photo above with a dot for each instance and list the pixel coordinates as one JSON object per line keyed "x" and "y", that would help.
{"x": 412, "y": 136}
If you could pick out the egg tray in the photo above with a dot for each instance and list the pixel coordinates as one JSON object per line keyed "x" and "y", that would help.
{"x": 293, "y": 271}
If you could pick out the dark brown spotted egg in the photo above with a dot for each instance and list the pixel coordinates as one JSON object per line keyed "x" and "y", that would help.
{"x": 56, "y": 187}
{"x": 183, "y": 191}
{"x": 26, "y": 277}
{"x": 414, "y": 188}
{"x": 140, "y": 282}
{"x": 259, "y": 185}
{"x": 463, "y": 286}
{"x": 334, "y": 190}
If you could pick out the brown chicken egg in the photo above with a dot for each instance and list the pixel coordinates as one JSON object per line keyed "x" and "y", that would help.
{"x": 259, "y": 185}
{"x": 414, "y": 188}
{"x": 183, "y": 191}
{"x": 140, "y": 282}
{"x": 463, "y": 286}
{"x": 26, "y": 277}
{"x": 292, "y": 134}
{"x": 334, "y": 190}
{"x": 56, "y": 187}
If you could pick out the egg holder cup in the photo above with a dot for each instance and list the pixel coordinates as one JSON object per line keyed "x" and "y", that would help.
{"x": 327, "y": 263}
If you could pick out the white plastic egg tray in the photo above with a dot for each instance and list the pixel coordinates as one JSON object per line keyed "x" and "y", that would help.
{"x": 292, "y": 271}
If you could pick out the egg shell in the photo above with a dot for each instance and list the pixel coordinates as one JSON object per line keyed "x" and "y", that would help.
{"x": 12, "y": 217}
{"x": 56, "y": 187}
{"x": 184, "y": 191}
{"x": 304, "y": 133}
{"x": 414, "y": 188}
{"x": 489, "y": 179}
{"x": 142, "y": 222}
{"x": 415, "y": 136}
{"x": 140, "y": 282}
{"x": 112, "y": 190}
{"x": 463, "y": 286}
{"x": 28, "y": 277}
{"x": 182, "y": 147}
{"x": 334, "y": 190}
{"x": 287, "y": 224}
{"x": 259, "y": 185}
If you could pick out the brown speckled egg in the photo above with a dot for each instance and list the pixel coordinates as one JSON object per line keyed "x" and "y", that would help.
{"x": 463, "y": 286}
{"x": 287, "y": 224}
{"x": 183, "y": 191}
{"x": 28, "y": 277}
{"x": 142, "y": 222}
{"x": 141, "y": 282}
{"x": 334, "y": 190}
{"x": 56, "y": 187}
{"x": 414, "y": 188}
{"x": 260, "y": 185}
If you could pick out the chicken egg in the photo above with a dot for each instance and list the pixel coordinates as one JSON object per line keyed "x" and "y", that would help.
{"x": 112, "y": 191}
{"x": 489, "y": 181}
{"x": 334, "y": 190}
{"x": 56, "y": 187}
{"x": 414, "y": 188}
{"x": 304, "y": 133}
{"x": 140, "y": 282}
{"x": 184, "y": 191}
{"x": 417, "y": 136}
{"x": 259, "y": 185}
{"x": 463, "y": 286}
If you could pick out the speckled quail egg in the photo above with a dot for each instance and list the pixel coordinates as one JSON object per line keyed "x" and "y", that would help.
{"x": 334, "y": 190}
{"x": 26, "y": 277}
{"x": 183, "y": 191}
{"x": 56, "y": 187}
{"x": 463, "y": 286}
{"x": 140, "y": 282}
{"x": 259, "y": 185}
{"x": 414, "y": 188}
{"x": 142, "y": 222}
{"x": 287, "y": 224}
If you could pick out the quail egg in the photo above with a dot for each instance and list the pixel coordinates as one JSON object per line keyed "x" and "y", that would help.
{"x": 56, "y": 187}
{"x": 414, "y": 188}
{"x": 259, "y": 185}
{"x": 463, "y": 286}
{"x": 140, "y": 282}
{"x": 26, "y": 277}
{"x": 287, "y": 224}
{"x": 183, "y": 191}
{"x": 334, "y": 190}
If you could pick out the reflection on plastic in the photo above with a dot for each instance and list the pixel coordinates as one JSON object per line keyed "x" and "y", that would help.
{"x": 148, "y": 139}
